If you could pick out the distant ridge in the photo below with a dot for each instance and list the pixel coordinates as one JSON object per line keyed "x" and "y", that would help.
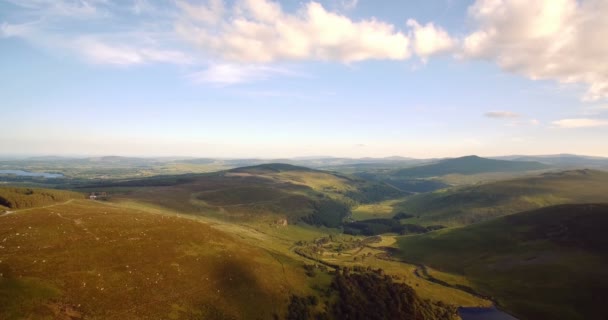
{"x": 469, "y": 165}
{"x": 275, "y": 167}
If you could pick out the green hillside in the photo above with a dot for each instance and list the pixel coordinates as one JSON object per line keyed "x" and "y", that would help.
{"x": 466, "y": 205}
{"x": 267, "y": 192}
{"x": 468, "y": 165}
{"x": 542, "y": 264}
{"x": 21, "y": 198}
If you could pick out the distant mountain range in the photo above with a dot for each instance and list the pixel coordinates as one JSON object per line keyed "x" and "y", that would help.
{"x": 411, "y": 167}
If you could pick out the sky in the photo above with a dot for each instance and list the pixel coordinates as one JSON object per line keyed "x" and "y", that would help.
{"x": 263, "y": 78}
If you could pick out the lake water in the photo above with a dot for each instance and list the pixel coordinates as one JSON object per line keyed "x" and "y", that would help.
{"x": 483, "y": 314}
{"x": 31, "y": 174}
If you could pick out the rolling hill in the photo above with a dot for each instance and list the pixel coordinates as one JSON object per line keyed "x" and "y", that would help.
{"x": 466, "y": 205}
{"x": 85, "y": 259}
{"x": 468, "y": 165}
{"x": 267, "y": 192}
{"x": 543, "y": 264}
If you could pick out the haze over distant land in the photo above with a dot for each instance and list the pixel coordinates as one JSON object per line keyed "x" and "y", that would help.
{"x": 262, "y": 78}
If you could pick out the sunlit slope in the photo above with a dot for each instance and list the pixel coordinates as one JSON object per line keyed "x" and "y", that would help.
{"x": 98, "y": 261}
{"x": 542, "y": 264}
{"x": 267, "y": 192}
{"x": 461, "y": 206}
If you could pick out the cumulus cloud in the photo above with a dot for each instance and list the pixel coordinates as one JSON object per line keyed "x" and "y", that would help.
{"x": 580, "y": 123}
{"x": 501, "y": 114}
{"x": 237, "y": 41}
{"x": 562, "y": 40}
{"x": 430, "y": 39}
{"x": 259, "y": 31}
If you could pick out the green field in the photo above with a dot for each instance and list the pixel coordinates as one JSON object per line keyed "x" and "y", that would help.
{"x": 543, "y": 264}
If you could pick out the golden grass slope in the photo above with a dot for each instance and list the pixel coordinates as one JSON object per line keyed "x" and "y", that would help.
{"x": 96, "y": 261}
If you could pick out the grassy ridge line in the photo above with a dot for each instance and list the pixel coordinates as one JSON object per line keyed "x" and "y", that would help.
{"x": 22, "y": 198}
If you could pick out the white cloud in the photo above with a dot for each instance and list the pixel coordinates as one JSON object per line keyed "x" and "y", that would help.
{"x": 561, "y": 40}
{"x": 241, "y": 41}
{"x": 100, "y": 52}
{"x": 430, "y": 39}
{"x": 501, "y": 114}
{"x": 259, "y": 31}
{"x": 580, "y": 123}
{"x": 227, "y": 74}
{"x": 8, "y": 30}
{"x": 51, "y": 8}
{"x": 211, "y": 13}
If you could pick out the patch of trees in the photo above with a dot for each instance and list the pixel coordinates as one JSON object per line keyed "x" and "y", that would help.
{"x": 299, "y": 307}
{"x": 374, "y": 227}
{"x": 375, "y": 192}
{"x": 329, "y": 213}
{"x": 403, "y": 215}
{"x": 157, "y": 181}
{"x": 20, "y": 198}
{"x": 368, "y": 295}
{"x": 417, "y": 185}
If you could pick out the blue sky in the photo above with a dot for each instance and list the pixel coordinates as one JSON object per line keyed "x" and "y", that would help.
{"x": 260, "y": 78}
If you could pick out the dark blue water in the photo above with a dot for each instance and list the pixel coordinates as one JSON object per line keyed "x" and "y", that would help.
{"x": 31, "y": 174}
{"x": 483, "y": 314}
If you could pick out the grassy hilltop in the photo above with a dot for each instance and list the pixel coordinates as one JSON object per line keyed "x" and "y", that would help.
{"x": 98, "y": 261}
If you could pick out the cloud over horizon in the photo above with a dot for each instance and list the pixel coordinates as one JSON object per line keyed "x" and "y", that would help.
{"x": 580, "y": 123}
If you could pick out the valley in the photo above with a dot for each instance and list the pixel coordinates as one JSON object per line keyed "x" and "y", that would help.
{"x": 277, "y": 240}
